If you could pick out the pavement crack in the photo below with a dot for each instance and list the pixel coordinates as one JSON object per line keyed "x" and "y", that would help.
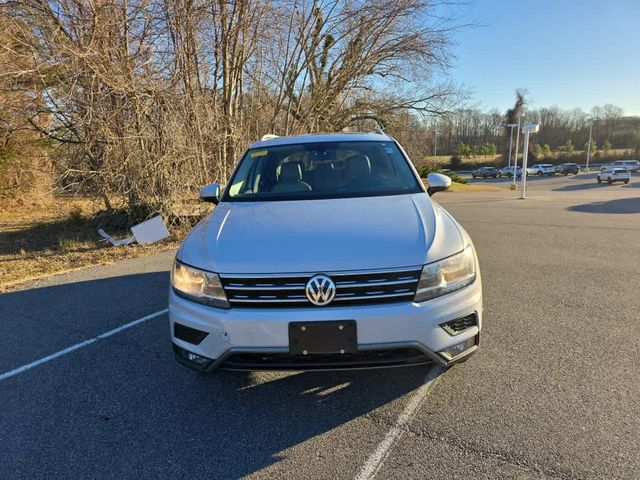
{"x": 465, "y": 446}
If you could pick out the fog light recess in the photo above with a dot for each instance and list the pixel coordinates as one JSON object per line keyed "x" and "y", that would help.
{"x": 459, "y": 325}
{"x": 451, "y": 353}
{"x": 192, "y": 359}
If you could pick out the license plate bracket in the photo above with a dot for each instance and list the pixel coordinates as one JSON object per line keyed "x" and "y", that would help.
{"x": 331, "y": 337}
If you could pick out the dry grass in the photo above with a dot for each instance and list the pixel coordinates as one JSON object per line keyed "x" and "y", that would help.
{"x": 460, "y": 187}
{"x": 40, "y": 238}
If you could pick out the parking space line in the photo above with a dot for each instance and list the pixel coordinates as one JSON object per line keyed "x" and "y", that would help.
{"x": 77, "y": 346}
{"x": 377, "y": 458}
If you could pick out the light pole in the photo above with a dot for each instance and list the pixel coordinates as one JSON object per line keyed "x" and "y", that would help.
{"x": 515, "y": 160}
{"x": 511, "y": 125}
{"x": 435, "y": 139}
{"x": 527, "y": 129}
{"x": 590, "y": 122}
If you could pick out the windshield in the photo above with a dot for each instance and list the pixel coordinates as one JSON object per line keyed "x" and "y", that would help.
{"x": 322, "y": 170}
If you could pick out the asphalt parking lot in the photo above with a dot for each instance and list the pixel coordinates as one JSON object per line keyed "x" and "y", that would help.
{"x": 552, "y": 393}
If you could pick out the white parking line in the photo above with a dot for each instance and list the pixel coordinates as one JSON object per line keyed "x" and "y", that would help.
{"x": 377, "y": 458}
{"x": 77, "y": 346}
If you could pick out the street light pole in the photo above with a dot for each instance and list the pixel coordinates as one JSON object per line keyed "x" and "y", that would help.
{"x": 527, "y": 129}
{"x": 515, "y": 160}
{"x": 590, "y": 121}
{"x": 511, "y": 125}
{"x": 435, "y": 141}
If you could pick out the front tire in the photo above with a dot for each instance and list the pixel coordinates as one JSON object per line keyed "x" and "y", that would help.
{"x": 473, "y": 175}
{"x": 626, "y": 181}
{"x": 599, "y": 180}
{"x": 609, "y": 181}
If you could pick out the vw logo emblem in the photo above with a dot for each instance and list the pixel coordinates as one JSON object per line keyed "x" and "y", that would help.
{"x": 320, "y": 290}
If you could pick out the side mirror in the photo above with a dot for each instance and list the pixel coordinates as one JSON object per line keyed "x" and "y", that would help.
{"x": 437, "y": 183}
{"x": 210, "y": 193}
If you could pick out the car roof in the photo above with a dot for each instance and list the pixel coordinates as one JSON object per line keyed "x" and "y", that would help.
{"x": 323, "y": 137}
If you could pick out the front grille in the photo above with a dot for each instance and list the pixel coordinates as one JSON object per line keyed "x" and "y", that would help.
{"x": 352, "y": 288}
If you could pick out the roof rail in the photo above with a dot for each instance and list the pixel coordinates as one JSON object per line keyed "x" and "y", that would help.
{"x": 378, "y": 131}
{"x": 269, "y": 136}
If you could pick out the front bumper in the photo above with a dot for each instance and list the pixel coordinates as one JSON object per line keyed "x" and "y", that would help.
{"x": 394, "y": 334}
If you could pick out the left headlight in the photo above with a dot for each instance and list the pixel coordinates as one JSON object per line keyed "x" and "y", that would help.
{"x": 447, "y": 275}
{"x": 198, "y": 285}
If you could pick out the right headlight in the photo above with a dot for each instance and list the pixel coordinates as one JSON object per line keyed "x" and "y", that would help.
{"x": 447, "y": 275}
{"x": 198, "y": 285}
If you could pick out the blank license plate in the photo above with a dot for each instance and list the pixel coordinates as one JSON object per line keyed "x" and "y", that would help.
{"x": 308, "y": 338}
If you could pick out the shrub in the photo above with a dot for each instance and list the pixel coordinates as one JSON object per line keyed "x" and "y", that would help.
{"x": 426, "y": 170}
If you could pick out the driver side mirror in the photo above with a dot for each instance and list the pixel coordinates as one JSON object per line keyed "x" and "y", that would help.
{"x": 210, "y": 193}
{"x": 437, "y": 183}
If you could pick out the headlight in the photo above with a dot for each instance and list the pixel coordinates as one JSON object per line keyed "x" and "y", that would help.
{"x": 198, "y": 285}
{"x": 447, "y": 275}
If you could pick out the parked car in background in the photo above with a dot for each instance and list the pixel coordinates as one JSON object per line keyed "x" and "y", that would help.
{"x": 485, "y": 172}
{"x": 508, "y": 171}
{"x": 541, "y": 169}
{"x": 611, "y": 175}
{"x": 631, "y": 165}
{"x": 567, "y": 168}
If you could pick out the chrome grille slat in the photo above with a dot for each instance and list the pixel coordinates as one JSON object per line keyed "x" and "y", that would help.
{"x": 352, "y": 288}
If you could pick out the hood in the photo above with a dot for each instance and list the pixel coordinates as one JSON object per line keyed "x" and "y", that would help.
{"x": 322, "y": 235}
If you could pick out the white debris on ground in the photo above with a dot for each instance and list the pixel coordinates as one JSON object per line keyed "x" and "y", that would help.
{"x": 149, "y": 231}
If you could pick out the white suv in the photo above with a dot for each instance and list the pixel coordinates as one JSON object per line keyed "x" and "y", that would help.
{"x": 611, "y": 175}
{"x": 325, "y": 251}
{"x": 541, "y": 169}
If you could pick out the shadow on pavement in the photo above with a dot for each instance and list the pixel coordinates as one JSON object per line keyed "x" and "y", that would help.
{"x": 624, "y": 205}
{"x": 125, "y": 404}
{"x": 581, "y": 186}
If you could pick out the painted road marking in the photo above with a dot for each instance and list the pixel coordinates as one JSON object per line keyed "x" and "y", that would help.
{"x": 377, "y": 458}
{"x": 78, "y": 346}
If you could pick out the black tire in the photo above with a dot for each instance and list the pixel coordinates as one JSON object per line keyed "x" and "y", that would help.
{"x": 473, "y": 175}
{"x": 609, "y": 181}
{"x": 599, "y": 180}
{"x": 626, "y": 181}
{"x": 540, "y": 173}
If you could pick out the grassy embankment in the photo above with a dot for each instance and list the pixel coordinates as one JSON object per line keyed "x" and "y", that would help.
{"x": 40, "y": 238}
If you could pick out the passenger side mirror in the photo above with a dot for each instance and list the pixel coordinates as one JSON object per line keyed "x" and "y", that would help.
{"x": 210, "y": 193}
{"x": 437, "y": 183}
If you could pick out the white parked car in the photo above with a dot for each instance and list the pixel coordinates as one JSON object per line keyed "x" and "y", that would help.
{"x": 541, "y": 169}
{"x": 611, "y": 175}
{"x": 630, "y": 165}
{"x": 325, "y": 251}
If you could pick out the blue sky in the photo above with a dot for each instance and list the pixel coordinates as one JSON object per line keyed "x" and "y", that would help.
{"x": 569, "y": 53}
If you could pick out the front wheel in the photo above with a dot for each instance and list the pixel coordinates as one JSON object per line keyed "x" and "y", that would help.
{"x": 539, "y": 174}
{"x": 473, "y": 175}
{"x": 599, "y": 181}
{"x": 609, "y": 181}
{"x": 626, "y": 181}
